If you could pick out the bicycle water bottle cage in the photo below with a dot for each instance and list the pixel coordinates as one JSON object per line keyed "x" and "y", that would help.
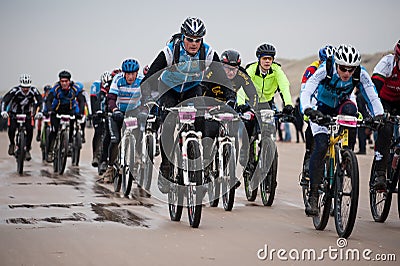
{"x": 187, "y": 114}
{"x": 131, "y": 123}
{"x": 21, "y": 118}
{"x": 267, "y": 116}
{"x": 346, "y": 120}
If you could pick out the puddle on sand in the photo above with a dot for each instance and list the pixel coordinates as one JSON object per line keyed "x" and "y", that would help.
{"x": 122, "y": 216}
{"x": 54, "y": 205}
{"x": 74, "y": 218}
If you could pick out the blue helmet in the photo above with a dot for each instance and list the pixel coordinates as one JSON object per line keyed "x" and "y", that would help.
{"x": 130, "y": 65}
{"x": 325, "y": 52}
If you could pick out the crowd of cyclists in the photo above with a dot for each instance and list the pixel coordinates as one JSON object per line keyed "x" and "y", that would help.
{"x": 188, "y": 67}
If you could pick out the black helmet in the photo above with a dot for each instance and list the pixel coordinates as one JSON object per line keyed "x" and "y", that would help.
{"x": 47, "y": 88}
{"x": 193, "y": 27}
{"x": 64, "y": 75}
{"x": 265, "y": 50}
{"x": 231, "y": 57}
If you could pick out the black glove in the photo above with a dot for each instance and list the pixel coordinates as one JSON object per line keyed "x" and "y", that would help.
{"x": 78, "y": 116}
{"x": 313, "y": 114}
{"x": 378, "y": 121}
{"x": 231, "y": 103}
{"x": 288, "y": 109}
{"x": 117, "y": 115}
{"x": 243, "y": 108}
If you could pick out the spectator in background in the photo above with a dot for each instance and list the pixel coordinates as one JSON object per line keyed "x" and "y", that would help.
{"x": 299, "y": 122}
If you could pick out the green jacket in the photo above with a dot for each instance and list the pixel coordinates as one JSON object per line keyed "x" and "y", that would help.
{"x": 275, "y": 80}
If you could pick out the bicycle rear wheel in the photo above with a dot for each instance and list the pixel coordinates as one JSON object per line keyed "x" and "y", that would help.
{"x": 175, "y": 195}
{"x": 63, "y": 152}
{"x": 228, "y": 179}
{"x": 324, "y": 202}
{"x": 21, "y": 152}
{"x": 346, "y": 194}
{"x": 195, "y": 189}
{"x": 268, "y": 185}
{"x": 379, "y": 202}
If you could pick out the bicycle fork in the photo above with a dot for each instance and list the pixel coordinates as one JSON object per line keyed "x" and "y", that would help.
{"x": 185, "y": 158}
{"x": 229, "y": 142}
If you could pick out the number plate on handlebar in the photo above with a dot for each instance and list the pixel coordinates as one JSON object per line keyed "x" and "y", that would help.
{"x": 347, "y": 121}
{"x": 187, "y": 114}
{"x": 267, "y": 116}
{"x": 21, "y": 117}
{"x": 131, "y": 122}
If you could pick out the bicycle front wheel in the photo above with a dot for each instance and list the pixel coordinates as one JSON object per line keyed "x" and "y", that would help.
{"x": 63, "y": 152}
{"x": 21, "y": 152}
{"x": 214, "y": 184}
{"x": 147, "y": 168}
{"x": 249, "y": 176}
{"x": 346, "y": 194}
{"x": 268, "y": 185}
{"x": 195, "y": 189}
{"x": 379, "y": 201}
{"x": 228, "y": 179}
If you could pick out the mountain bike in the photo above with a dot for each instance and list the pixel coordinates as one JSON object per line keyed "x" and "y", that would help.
{"x": 262, "y": 167}
{"x": 61, "y": 144}
{"x": 222, "y": 170}
{"x": 44, "y": 137}
{"x": 124, "y": 166}
{"x": 187, "y": 168}
{"x": 20, "y": 142}
{"x": 149, "y": 137}
{"x": 341, "y": 177}
{"x": 77, "y": 141}
{"x": 380, "y": 201}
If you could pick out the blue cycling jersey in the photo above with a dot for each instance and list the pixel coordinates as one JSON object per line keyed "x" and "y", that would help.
{"x": 65, "y": 99}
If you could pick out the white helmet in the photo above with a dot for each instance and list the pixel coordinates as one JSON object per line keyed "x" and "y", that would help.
{"x": 347, "y": 55}
{"x": 106, "y": 78}
{"x": 25, "y": 80}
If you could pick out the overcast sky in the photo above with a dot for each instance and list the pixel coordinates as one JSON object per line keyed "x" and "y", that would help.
{"x": 87, "y": 37}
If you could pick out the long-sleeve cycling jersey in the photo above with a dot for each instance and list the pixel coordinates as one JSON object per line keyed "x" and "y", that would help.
{"x": 20, "y": 102}
{"x": 122, "y": 95}
{"x": 336, "y": 91}
{"x": 386, "y": 77}
{"x": 267, "y": 85}
{"x": 244, "y": 88}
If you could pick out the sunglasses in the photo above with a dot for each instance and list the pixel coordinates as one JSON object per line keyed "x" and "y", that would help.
{"x": 347, "y": 69}
{"x": 230, "y": 69}
{"x": 193, "y": 40}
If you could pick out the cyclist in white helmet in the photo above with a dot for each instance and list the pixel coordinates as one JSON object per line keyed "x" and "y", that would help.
{"x": 22, "y": 99}
{"x": 333, "y": 84}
